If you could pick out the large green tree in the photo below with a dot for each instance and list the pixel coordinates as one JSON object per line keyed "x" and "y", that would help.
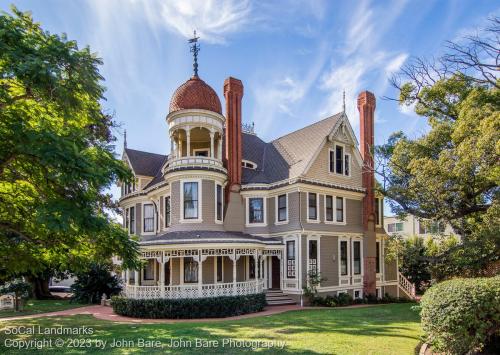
{"x": 452, "y": 172}
{"x": 56, "y": 155}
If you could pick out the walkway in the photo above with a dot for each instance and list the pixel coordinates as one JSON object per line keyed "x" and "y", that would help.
{"x": 106, "y": 313}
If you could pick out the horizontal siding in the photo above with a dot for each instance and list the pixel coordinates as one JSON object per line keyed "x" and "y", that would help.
{"x": 329, "y": 267}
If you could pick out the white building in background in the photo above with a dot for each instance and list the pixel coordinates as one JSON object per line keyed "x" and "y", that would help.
{"x": 412, "y": 226}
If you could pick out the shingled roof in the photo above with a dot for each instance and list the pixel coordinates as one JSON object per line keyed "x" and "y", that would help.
{"x": 144, "y": 163}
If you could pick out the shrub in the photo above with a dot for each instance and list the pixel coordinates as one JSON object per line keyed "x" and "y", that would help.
{"x": 213, "y": 307}
{"x": 91, "y": 285}
{"x": 345, "y": 299}
{"x": 461, "y": 315}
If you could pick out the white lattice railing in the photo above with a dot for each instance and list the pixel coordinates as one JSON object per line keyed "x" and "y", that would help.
{"x": 193, "y": 161}
{"x": 194, "y": 290}
{"x": 406, "y": 285}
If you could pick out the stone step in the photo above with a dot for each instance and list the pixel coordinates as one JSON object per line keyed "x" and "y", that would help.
{"x": 280, "y": 303}
{"x": 278, "y": 298}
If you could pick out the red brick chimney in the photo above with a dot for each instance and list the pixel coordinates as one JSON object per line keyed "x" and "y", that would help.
{"x": 233, "y": 92}
{"x": 366, "y": 108}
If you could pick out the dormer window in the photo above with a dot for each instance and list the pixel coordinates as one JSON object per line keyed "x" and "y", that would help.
{"x": 248, "y": 164}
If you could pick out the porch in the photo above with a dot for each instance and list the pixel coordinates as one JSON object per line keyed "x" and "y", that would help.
{"x": 204, "y": 272}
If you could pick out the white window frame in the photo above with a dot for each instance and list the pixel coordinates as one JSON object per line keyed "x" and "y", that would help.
{"x": 165, "y": 211}
{"x": 296, "y": 241}
{"x": 360, "y": 290}
{"x": 200, "y": 202}
{"x": 154, "y": 218}
{"x": 219, "y": 221}
{"x": 335, "y": 160}
{"x": 361, "y": 266}
{"x": 334, "y": 212}
{"x": 317, "y": 220}
{"x": 245, "y": 163}
{"x": 318, "y": 249}
{"x": 349, "y": 266}
{"x": 344, "y": 214}
{"x": 264, "y": 212}
{"x": 350, "y": 164}
{"x": 276, "y": 209}
{"x": 129, "y": 222}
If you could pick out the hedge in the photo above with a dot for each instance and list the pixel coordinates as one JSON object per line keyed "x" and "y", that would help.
{"x": 462, "y": 315}
{"x": 213, "y": 307}
{"x": 345, "y": 299}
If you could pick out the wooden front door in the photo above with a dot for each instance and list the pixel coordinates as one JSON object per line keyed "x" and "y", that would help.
{"x": 275, "y": 271}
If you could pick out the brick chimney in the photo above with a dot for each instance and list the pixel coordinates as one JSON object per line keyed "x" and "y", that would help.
{"x": 233, "y": 92}
{"x": 366, "y": 108}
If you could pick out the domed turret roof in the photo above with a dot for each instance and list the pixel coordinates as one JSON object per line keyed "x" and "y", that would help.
{"x": 195, "y": 94}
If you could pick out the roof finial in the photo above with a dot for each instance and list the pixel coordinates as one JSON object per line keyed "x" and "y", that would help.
{"x": 125, "y": 140}
{"x": 343, "y": 101}
{"x": 195, "y": 48}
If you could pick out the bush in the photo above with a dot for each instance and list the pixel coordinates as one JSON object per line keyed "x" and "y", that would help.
{"x": 461, "y": 315}
{"x": 91, "y": 285}
{"x": 213, "y": 307}
{"x": 345, "y": 299}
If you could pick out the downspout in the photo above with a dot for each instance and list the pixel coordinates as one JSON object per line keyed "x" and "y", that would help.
{"x": 300, "y": 248}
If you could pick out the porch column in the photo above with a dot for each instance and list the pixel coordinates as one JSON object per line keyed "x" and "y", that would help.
{"x": 212, "y": 153}
{"x": 234, "y": 273}
{"x": 188, "y": 141}
{"x": 161, "y": 262}
{"x": 200, "y": 274}
{"x": 219, "y": 147}
{"x": 172, "y": 145}
{"x": 127, "y": 278}
{"x": 136, "y": 280}
{"x": 281, "y": 272}
{"x": 264, "y": 262}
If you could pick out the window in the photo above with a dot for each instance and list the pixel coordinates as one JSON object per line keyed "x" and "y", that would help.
{"x": 190, "y": 270}
{"x": 167, "y": 211}
{"x": 377, "y": 266}
{"x": 357, "y": 294}
{"x": 149, "y": 270}
{"x": 149, "y": 218}
{"x": 282, "y": 213}
{"x": 132, "y": 220}
{"x": 290, "y": 259}
{"x": 200, "y": 152}
{"x": 343, "y": 258}
{"x": 313, "y": 256}
{"x": 190, "y": 200}
{"x": 347, "y": 159}
{"x": 248, "y": 164}
{"x": 340, "y": 209}
{"x": 356, "y": 257}
{"x": 251, "y": 267}
{"x": 431, "y": 227}
{"x": 256, "y": 210}
{"x": 329, "y": 208}
{"x": 313, "y": 206}
{"x": 395, "y": 227}
{"x": 219, "y": 202}
{"x": 220, "y": 267}
{"x": 332, "y": 161}
{"x": 339, "y": 157}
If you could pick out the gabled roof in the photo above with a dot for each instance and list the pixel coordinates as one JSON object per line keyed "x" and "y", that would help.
{"x": 144, "y": 163}
{"x": 299, "y": 147}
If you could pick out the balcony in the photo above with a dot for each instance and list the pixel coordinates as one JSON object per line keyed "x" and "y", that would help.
{"x": 193, "y": 162}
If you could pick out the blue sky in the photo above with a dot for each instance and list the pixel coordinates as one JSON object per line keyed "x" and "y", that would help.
{"x": 294, "y": 57}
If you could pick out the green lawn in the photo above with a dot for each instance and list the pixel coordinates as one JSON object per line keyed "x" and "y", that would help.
{"x": 42, "y": 306}
{"x": 384, "y": 329}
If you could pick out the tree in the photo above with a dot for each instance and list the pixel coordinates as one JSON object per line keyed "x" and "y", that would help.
{"x": 92, "y": 284}
{"x": 451, "y": 173}
{"x": 56, "y": 155}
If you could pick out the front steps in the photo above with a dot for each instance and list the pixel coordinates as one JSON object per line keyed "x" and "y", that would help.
{"x": 278, "y": 298}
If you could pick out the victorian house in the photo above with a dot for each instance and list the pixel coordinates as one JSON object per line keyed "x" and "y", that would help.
{"x": 226, "y": 213}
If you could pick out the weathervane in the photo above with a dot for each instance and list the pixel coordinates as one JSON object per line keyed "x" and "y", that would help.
{"x": 195, "y": 48}
{"x": 125, "y": 140}
{"x": 343, "y": 101}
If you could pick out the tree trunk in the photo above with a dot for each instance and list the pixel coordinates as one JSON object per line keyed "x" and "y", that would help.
{"x": 40, "y": 288}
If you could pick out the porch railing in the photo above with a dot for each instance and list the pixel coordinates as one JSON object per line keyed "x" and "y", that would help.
{"x": 194, "y": 290}
{"x": 406, "y": 286}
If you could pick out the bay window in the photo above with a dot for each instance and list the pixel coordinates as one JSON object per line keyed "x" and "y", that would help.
{"x": 256, "y": 210}
{"x": 191, "y": 200}
{"x": 132, "y": 220}
{"x": 312, "y": 213}
{"x": 356, "y": 246}
{"x": 149, "y": 218}
{"x": 282, "y": 208}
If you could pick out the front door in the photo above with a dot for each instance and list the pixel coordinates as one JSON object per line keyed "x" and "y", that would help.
{"x": 275, "y": 272}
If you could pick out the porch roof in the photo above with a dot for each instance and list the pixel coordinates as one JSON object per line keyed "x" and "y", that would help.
{"x": 213, "y": 237}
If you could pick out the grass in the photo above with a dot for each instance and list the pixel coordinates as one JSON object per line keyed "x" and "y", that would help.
{"x": 383, "y": 329}
{"x": 40, "y": 306}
